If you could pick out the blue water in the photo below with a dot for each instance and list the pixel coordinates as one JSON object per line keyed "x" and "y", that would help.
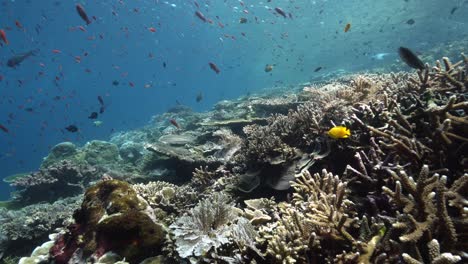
{"x": 50, "y": 91}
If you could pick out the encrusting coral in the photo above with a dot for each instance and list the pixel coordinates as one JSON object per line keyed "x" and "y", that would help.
{"x": 111, "y": 218}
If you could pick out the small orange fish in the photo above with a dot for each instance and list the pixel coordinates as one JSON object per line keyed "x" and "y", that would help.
{"x": 174, "y": 123}
{"x": 18, "y": 24}
{"x": 3, "y": 36}
{"x": 347, "y": 27}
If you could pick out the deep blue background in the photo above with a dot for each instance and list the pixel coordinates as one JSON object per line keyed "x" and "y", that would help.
{"x": 118, "y": 45}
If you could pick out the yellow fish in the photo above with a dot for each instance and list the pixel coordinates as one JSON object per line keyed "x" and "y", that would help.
{"x": 339, "y": 132}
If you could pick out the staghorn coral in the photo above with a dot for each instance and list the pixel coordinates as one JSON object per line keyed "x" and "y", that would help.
{"x": 423, "y": 118}
{"x": 289, "y": 239}
{"x": 424, "y": 212}
{"x": 434, "y": 254}
{"x": 319, "y": 213}
{"x": 323, "y": 198}
{"x": 287, "y": 137}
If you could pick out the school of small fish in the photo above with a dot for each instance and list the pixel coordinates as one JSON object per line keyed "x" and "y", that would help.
{"x": 56, "y": 65}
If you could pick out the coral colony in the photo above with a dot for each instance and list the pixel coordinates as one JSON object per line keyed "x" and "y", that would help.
{"x": 264, "y": 179}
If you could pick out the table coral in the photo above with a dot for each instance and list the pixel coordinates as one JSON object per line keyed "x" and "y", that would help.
{"x": 63, "y": 179}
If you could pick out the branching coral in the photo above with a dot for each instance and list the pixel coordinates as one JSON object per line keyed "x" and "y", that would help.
{"x": 319, "y": 213}
{"x": 423, "y": 118}
{"x": 323, "y": 197}
{"x": 435, "y": 257}
{"x": 424, "y": 212}
{"x": 203, "y": 177}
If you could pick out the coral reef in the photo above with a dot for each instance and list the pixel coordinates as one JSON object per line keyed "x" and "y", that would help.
{"x": 258, "y": 180}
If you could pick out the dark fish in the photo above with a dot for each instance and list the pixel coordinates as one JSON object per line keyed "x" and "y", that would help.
{"x": 101, "y": 109}
{"x": 4, "y": 129}
{"x": 17, "y": 59}
{"x": 214, "y": 67}
{"x": 280, "y": 11}
{"x": 72, "y": 128}
{"x": 101, "y": 101}
{"x": 410, "y": 21}
{"x": 115, "y": 82}
{"x": 410, "y": 58}
{"x": 243, "y": 20}
{"x": 269, "y": 67}
{"x": 82, "y": 14}
{"x": 200, "y": 16}
{"x": 174, "y": 123}
{"x": 453, "y": 10}
{"x": 164, "y": 64}
{"x": 318, "y": 69}
{"x": 347, "y": 27}
{"x": 199, "y": 97}
{"x": 93, "y": 115}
